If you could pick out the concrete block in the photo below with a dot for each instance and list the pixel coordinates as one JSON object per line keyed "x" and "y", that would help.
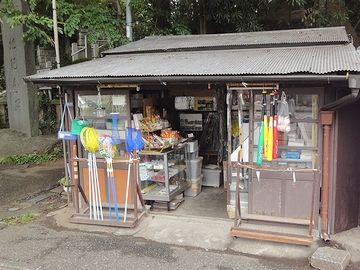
{"x": 326, "y": 258}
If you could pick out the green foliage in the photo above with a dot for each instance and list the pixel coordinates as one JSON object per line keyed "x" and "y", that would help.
{"x": 64, "y": 182}
{"x": 296, "y": 3}
{"x": 164, "y": 17}
{"x": 326, "y": 13}
{"x": 22, "y": 219}
{"x": 34, "y": 158}
{"x": 235, "y": 15}
{"x": 2, "y": 79}
{"x": 4, "y": 120}
{"x": 38, "y": 26}
{"x": 105, "y": 19}
{"x": 97, "y": 18}
{"x": 47, "y": 123}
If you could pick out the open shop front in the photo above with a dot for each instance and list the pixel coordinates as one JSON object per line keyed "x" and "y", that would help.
{"x": 178, "y": 167}
{"x": 191, "y": 152}
{"x": 181, "y": 168}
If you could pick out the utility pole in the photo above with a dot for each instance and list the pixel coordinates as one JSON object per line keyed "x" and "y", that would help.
{"x": 56, "y": 35}
{"x": 57, "y": 59}
{"x": 129, "y": 33}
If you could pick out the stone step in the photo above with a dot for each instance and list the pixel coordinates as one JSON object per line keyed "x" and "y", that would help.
{"x": 327, "y": 258}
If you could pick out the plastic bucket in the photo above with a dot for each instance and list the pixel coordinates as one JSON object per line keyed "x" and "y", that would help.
{"x": 77, "y": 125}
{"x": 195, "y": 167}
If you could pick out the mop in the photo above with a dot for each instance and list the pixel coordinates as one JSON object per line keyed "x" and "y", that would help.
{"x": 133, "y": 143}
{"x": 107, "y": 150}
{"x": 90, "y": 140}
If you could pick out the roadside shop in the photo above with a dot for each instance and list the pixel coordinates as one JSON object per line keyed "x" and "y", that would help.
{"x": 243, "y": 126}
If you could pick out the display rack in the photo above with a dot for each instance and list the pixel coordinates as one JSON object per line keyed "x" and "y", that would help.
{"x": 163, "y": 174}
{"x": 120, "y": 168}
{"x": 275, "y": 178}
{"x": 98, "y": 110}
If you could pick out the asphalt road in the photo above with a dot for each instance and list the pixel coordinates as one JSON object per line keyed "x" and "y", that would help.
{"x": 41, "y": 245}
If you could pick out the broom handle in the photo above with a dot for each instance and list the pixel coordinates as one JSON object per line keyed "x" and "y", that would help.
{"x": 127, "y": 189}
{"x": 98, "y": 188}
{"x": 90, "y": 185}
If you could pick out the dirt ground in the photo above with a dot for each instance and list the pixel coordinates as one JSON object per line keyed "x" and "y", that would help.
{"x": 16, "y": 143}
{"x": 20, "y": 183}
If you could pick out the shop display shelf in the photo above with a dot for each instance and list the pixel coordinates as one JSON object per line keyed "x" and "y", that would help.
{"x": 173, "y": 165}
{"x": 157, "y": 193}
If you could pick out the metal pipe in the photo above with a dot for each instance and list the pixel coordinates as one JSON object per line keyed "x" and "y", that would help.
{"x": 129, "y": 34}
{"x": 325, "y": 182}
{"x": 56, "y": 35}
{"x": 341, "y": 102}
{"x": 163, "y": 80}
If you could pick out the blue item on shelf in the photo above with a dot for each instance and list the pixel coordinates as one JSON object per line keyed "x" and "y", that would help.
{"x": 293, "y": 154}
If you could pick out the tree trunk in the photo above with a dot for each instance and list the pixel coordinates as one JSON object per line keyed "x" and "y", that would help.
{"x": 202, "y": 17}
{"x": 118, "y": 15}
{"x": 289, "y": 15}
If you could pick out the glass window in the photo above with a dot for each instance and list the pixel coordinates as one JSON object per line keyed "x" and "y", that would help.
{"x": 101, "y": 106}
{"x": 303, "y": 107}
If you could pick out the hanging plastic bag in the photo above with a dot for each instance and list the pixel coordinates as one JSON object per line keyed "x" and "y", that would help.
{"x": 283, "y": 124}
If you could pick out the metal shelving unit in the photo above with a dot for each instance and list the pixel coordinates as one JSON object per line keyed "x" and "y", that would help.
{"x": 163, "y": 174}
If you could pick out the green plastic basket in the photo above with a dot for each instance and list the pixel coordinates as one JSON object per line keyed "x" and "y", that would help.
{"x": 77, "y": 125}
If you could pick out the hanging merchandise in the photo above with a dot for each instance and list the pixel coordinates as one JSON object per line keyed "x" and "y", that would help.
{"x": 133, "y": 143}
{"x": 107, "y": 149}
{"x": 276, "y": 139}
{"x": 62, "y": 134}
{"x": 90, "y": 140}
{"x": 270, "y": 138}
{"x": 260, "y": 146}
{"x": 115, "y": 128}
{"x": 77, "y": 125}
{"x": 100, "y": 111}
{"x": 283, "y": 124}
{"x": 266, "y": 128}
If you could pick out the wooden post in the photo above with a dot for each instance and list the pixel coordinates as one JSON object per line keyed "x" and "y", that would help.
{"x": 75, "y": 184}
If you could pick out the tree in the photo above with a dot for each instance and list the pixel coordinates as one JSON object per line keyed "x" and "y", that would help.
{"x": 99, "y": 18}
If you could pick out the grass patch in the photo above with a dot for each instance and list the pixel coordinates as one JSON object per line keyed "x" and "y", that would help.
{"x": 34, "y": 158}
{"x": 22, "y": 219}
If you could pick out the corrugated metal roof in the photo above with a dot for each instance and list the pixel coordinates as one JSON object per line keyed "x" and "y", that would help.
{"x": 283, "y": 37}
{"x": 264, "y": 61}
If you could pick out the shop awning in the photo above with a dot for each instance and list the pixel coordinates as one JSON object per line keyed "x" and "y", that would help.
{"x": 333, "y": 58}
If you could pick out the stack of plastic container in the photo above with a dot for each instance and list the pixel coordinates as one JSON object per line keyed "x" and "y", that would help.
{"x": 194, "y": 165}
